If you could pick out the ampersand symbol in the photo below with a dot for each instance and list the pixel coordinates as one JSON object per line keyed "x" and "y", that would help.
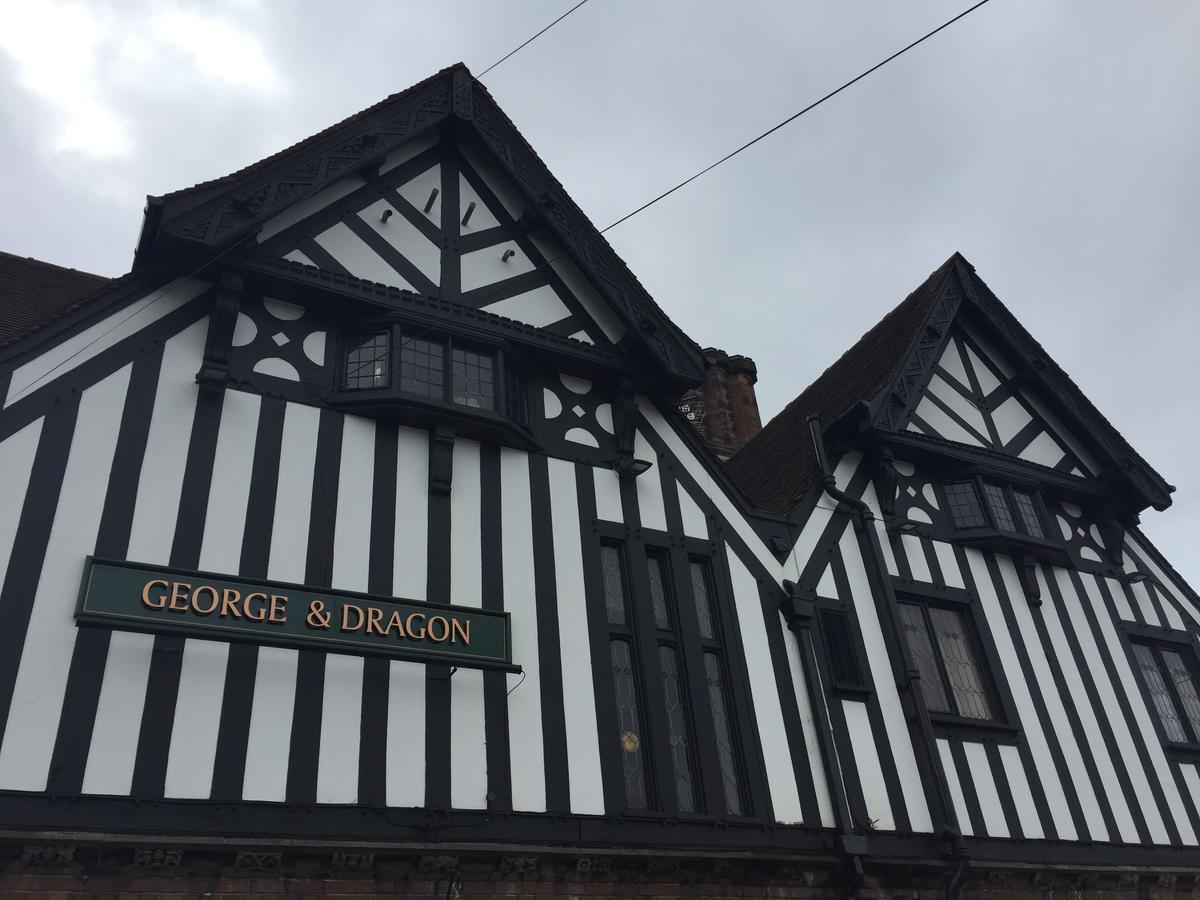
{"x": 317, "y": 617}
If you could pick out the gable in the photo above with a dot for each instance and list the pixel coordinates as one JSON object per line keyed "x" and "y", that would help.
{"x": 438, "y": 220}
{"x": 976, "y": 396}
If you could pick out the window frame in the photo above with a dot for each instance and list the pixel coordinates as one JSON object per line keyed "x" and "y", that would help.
{"x": 851, "y": 690}
{"x": 390, "y": 399}
{"x": 1009, "y": 489}
{"x": 964, "y": 602}
{"x": 1186, "y": 645}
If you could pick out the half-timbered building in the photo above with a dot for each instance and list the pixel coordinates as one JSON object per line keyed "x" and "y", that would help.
{"x": 379, "y": 532}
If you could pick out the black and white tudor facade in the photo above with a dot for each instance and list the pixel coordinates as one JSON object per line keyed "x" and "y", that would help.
{"x": 914, "y": 618}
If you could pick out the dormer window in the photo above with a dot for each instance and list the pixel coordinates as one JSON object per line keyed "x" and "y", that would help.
{"x": 393, "y": 363}
{"x": 977, "y": 503}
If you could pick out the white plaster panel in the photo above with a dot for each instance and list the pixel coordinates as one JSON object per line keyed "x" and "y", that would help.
{"x": 985, "y": 789}
{"x": 970, "y": 414}
{"x": 524, "y": 692}
{"x": 109, "y": 768}
{"x": 866, "y": 760}
{"x": 1022, "y": 795}
{"x": 695, "y": 523}
{"x": 404, "y": 775}
{"x": 298, "y": 256}
{"x": 468, "y": 759}
{"x": 309, "y": 206}
{"x": 916, "y": 558}
{"x": 16, "y": 462}
{"x": 410, "y": 559}
{"x": 808, "y": 726}
{"x": 956, "y": 793}
{"x": 408, "y": 240}
{"x": 608, "y": 495}
{"x": 417, "y": 193}
{"x": 1043, "y": 450}
{"x": 341, "y": 723}
{"x": 409, "y": 149}
{"x": 539, "y": 307}
{"x": 92, "y": 341}
{"x": 480, "y": 267}
{"x": 1169, "y": 582}
{"x": 1191, "y": 778}
{"x": 583, "y": 742}
{"x": 949, "y": 564}
{"x": 649, "y": 487}
{"x": 193, "y": 750}
{"x": 943, "y": 425}
{"x": 952, "y": 363}
{"x": 482, "y": 217}
{"x": 1009, "y": 418}
{"x": 50, "y": 636}
{"x": 357, "y": 258}
{"x": 497, "y": 182}
{"x": 987, "y": 379}
{"x": 593, "y": 303}
{"x": 265, "y": 775}
{"x": 277, "y": 368}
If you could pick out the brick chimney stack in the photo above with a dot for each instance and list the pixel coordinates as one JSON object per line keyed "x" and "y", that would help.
{"x": 724, "y": 409}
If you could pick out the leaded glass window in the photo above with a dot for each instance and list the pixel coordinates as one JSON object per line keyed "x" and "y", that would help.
{"x": 516, "y": 397}
{"x": 731, "y": 784}
{"x": 999, "y": 504}
{"x": 658, "y": 592}
{"x": 611, "y": 569}
{"x": 839, "y": 645}
{"x": 473, "y": 376}
{"x": 963, "y": 503}
{"x": 944, "y": 652}
{"x": 1171, "y": 683}
{"x": 367, "y": 357}
{"x": 422, "y": 368}
{"x": 629, "y": 725}
{"x": 677, "y": 724}
{"x": 1027, "y": 508}
{"x": 699, "y": 573}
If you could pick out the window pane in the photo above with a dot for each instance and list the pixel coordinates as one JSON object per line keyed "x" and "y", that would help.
{"x": 629, "y": 728}
{"x": 962, "y": 666}
{"x": 472, "y": 375}
{"x": 964, "y": 506}
{"x": 999, "y": 504}
{"x": 835, "y": 628}
{"x": 725, "y": 753}
{"x": 1160, "y": 694}
{"x": 1185, "y": 687}
{"x": 912, "y": 618}
{"x": 1029, "y": 517}
{"x": 367, "y": 362}
{"x": 668, "y": 664}
{"x": 658, "y": 592}
{"x": 614, "y": 583}
{"x": 703, "y": 604}
{"x": 422, "y": 368}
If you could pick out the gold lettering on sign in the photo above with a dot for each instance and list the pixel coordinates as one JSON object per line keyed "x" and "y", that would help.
{"x": 375, "y": 620}
{"x": 230, "y": 599}
{"x": 179, "y": 591}
{"x": 157, "y": 602}
{"x": 419, "y": 631}
{"x": 204, "y": 611}
{"x": 348, "y": 608}
{"x": 394, "y": 619}
{"x": 262, "y": 611}
{"x": 278, "y": 605}
{"x": 459, "y": 630}
{"x": 317, "y": 616}
{"x": 438, "y": 622}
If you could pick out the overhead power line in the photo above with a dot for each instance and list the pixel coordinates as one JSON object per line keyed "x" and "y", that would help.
{"x": 531, "y": 40}
{"x": 793, "y": 117}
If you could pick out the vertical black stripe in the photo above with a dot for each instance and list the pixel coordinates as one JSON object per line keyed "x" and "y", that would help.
{"x": 1004, "y": 789}
{"x": 305, "y": 746}
{"x": 30, "y": 542}
{"x": 966, "y": 783}
{"x": 233, "y": 732}
{"x": 879, "y": 732}
{"x": 437, "y": 677}
{"x": 1033, "y": 768}
{"x": 166, "y": 660}
{"x": 372, "y": 740}
{"x": 495, "y": 684}
{"x": 451, "y": 278}
{"x": 554, "y": 727}
{"x": 112, "y": 540}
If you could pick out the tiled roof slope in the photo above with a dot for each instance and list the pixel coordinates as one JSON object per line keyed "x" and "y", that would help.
{"x": 775, "y": 469}
{"x": 33, "y": 293}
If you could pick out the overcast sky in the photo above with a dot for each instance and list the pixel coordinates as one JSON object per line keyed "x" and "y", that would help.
{"x": 1056, "y": 144}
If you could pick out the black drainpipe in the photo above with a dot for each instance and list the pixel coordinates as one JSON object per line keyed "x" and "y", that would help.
{"x": 908, "y": 677}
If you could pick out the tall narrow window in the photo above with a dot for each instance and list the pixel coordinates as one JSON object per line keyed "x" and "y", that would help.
{"x": 367, "y": 361}
{"x": 839, "y": 645}
{"x": 626, "y": 689}
{"x": 942, "y": 648}
{"x": 717, "y": 684}
{"x": 1170, "y": 680}
{"x": 669, "y": 667}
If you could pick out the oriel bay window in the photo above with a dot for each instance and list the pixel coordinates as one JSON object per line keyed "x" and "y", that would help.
{"x": 395, "y": 362}
{"x": 683, "y": 680}
{"x": 976, "y": 503}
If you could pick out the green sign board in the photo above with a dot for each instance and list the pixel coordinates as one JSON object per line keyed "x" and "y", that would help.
{"x": 137, "y": 597}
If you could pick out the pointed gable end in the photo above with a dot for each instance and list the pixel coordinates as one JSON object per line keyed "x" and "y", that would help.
{"x": 435, "y": 192}
{"x": 952, "y": 368}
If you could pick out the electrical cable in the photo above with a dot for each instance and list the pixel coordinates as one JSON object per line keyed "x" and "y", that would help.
{"x": 531, "y": 40}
